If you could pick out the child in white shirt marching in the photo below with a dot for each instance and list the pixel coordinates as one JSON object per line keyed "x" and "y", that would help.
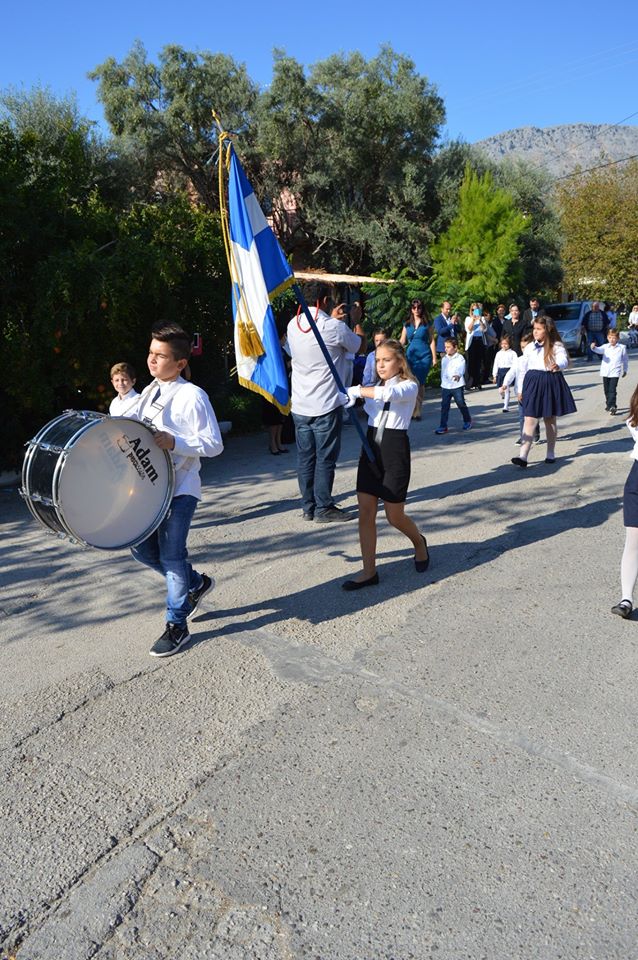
{"x": 515, "y": 375}
{"x": 615, "y": 363}
{"x": 503, "y": 362}
{"x": 452, "y": 384}
{"x": 123, "y": 379}
{"x": 389, "y": 405}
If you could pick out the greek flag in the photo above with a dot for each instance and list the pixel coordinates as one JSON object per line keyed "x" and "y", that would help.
{"x": 259, "y": 270}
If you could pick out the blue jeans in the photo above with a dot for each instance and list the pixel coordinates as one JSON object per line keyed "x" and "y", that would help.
{"x": 458, "y": 396}
{"x": 165, "y": 552}
{"x": 318, "y": 446}
{"x": 597, "y": 337}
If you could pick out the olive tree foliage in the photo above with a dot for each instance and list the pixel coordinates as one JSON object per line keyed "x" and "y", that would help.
{"x": 599, "y": 211}
{"x": 477, "y": 257}
{"x": 351, "y": 141}
{"x": 162, "y": 113}
{"x": 82, "y": 276}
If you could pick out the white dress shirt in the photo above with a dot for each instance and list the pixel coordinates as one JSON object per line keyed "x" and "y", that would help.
{"x": 503, "y": 359}
{"x": 188, "y": 416}
{"x": 615, "y": 361}
{"x": 516, "y": 374}
{"x": 401, "y": 394}
{"x": 124, "y": 406}
{"x": 535, "y": 353}
{"x": 451, "y": 367}
{"x": 314, "y": 390}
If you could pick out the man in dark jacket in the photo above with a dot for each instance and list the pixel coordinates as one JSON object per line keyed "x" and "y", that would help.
{"x": 534, "y": 310}
{"x": 442, "y": 327}
{"x": 596, "y": 324}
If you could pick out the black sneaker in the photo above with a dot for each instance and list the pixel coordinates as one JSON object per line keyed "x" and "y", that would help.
{"x": 307, "y": 515}
{"x": 196, "y": 595}
{"x": 172, "y": 640}
{"x": 332, "y": 514}
{"x": 612, "y": 411}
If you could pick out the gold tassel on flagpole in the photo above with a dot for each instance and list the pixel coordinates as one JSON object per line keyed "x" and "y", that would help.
{"x": 249, "y": 340}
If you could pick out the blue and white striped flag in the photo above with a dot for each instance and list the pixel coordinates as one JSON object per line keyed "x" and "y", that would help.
{"x": 259, "y": 270}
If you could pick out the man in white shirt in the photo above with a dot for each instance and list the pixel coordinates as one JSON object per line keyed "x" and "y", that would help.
{"x": 183, "y": 422}
{"x": 317, "y": 402}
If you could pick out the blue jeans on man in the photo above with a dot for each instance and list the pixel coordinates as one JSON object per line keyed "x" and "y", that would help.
{"x": 165, "y": 552}
{"x": 318, "y": 447}
{"x": 458, "y": 395}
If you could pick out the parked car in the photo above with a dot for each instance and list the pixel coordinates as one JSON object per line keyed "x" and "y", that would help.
{"x": 568, "y": 318}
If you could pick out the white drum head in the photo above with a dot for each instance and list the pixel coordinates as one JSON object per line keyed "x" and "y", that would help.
{"x": 115, "y": 484}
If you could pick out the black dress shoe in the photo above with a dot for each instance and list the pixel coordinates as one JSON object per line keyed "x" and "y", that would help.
{"x": 519, "y": 462}
{"x": 421, "y": 565}
{"x": 358, "y": 584}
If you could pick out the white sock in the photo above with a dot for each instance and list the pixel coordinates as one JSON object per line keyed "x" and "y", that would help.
{"x": 629, "y": 564}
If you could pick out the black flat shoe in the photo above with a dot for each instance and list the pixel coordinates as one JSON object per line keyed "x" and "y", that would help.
{"x": 421, "y": 565}
{"x": 623, "y": 609}
{"x": 550, "y": 459}
{"x": 519, "y": 462}
{"x": 358, "y": 584}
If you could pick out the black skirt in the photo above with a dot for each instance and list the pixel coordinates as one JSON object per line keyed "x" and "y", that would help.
{"x": 546, "y": 394}
{"x": 630, "y": 497}
{"x": 389, "y": 477}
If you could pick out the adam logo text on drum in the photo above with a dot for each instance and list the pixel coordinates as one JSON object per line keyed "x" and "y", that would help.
{"x": 138, "y": 455}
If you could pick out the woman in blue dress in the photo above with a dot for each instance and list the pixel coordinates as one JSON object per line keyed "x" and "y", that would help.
{"x": 421, "y": 348}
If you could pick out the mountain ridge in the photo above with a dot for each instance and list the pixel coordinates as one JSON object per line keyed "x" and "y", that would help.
{"x": 562, "y": 148}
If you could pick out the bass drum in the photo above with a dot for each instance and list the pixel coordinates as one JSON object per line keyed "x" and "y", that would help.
{"x": 99, "y": 480}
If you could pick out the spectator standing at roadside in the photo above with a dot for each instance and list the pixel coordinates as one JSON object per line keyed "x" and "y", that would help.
{"x": 516, "y": 328}
{"x": 442, "y": 327}
{"x": 421, "y": 350}
{"x": 498, "y": 320}
{"x": 475, "y": 343}
{"x": 317, "y": 403}
{"x": 610, "y": 310}
{"x": 491, "y": 346}
{"x": 596, "y": 325}
{"x": 533, "y": 311}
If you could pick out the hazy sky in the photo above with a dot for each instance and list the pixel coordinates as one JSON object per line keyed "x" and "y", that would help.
{"x": 497, "y": 65}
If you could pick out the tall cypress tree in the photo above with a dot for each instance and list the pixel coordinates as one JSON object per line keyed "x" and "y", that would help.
{"x": 477, "y": 258}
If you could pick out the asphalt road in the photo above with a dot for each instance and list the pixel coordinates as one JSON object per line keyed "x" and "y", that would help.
{"x": 442, "y": 766}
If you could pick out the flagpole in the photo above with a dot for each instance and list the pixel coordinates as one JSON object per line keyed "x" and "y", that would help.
{"x": 333, "y": 370}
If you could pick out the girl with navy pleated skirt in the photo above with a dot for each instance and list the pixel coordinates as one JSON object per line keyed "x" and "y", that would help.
{"x": 546, "y": 395}
{"x": 629, "y": 562}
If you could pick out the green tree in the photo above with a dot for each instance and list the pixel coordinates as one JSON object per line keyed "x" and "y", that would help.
{"x": 351, "y": 140}
{"x": 162, "y": 114}
{"x": 598, "y": 213}
{"x": 532, "y": 191}
{"x": 82, "y": 279}
{"x": 478, "y": 256}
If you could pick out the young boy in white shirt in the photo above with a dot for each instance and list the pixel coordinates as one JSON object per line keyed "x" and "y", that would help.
{"x": 503, "y": 361}
{"x": 183, "y": 422}
{"x": 615, "y": 363}
{"x": 515, "y": 375}
{"x": 123, "y": 379}
{"x": 452, "y": 384}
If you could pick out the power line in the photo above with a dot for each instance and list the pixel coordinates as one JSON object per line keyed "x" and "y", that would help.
{"x": 600, "y": 166}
